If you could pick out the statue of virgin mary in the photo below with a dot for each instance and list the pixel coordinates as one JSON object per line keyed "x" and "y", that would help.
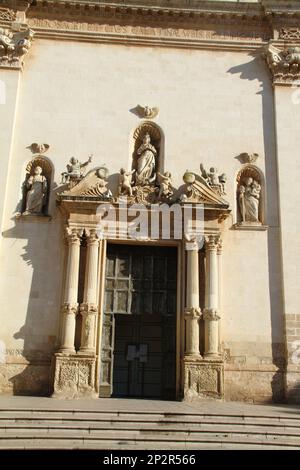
{"x": 145, "y": 173}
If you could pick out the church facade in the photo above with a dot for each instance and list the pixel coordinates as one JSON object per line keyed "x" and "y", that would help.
{"x": 149, "y": 175}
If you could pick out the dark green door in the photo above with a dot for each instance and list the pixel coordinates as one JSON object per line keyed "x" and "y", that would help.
{"x": 139, "y": 327}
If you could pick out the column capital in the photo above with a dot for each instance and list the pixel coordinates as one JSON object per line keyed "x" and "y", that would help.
{"x": 193, "y": 242}
{"x": 211, "y": 314}
{"x": 212, "y": 242}
{"x": 220, "y": 247}
{"x": 72, "y": 235}
{"x": 70, "y": 309}
{"x": 14, "y": 46}
{"x": 283, "y": 61}
{"x": 92, "y": 236}
{"x": 88, "y": 308}
{"x": 192, "y": 313}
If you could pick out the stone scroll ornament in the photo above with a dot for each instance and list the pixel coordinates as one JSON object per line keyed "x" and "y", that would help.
{"x": 206, "y": 188}
{"x": 93, "y": 184}
{"x": 14, "y": 46}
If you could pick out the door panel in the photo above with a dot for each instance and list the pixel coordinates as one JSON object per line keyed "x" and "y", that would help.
{"x": 139, "y": 324}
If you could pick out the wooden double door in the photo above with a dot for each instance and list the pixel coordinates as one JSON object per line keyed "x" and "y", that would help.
{"x": 139, "y": 322}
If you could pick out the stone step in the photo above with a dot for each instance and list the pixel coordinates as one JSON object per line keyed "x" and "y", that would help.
{"x": 138, "y": 418}
{"x": 105, "y": 441}
{"x": 48, "y": 433}
{"x": 58, "y": 444}
{"x": 160, "y": 427}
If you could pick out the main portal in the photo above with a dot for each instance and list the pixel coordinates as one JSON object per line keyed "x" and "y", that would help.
{"x": 139, "y": 322}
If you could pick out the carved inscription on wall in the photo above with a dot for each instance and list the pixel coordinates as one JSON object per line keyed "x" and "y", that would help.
{"x": 179, "y": 33}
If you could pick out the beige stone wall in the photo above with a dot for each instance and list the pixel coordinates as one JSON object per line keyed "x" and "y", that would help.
{"x": 213, "y": 106}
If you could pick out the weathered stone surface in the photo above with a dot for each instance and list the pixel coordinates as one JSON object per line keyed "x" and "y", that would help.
{"x": 74, "y": 377}
{"x": 203, "y": 379}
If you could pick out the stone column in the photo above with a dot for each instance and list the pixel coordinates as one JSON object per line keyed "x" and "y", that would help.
{"x": 89, "y": 307}
{"x": 70, "y": 306}
{"x": 219, "y": 256}
{"x": 192, "y": 311}
{"x": 210, "y": 314}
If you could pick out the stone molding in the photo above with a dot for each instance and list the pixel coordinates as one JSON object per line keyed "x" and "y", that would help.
{"x": 165, "y": 23}
{"x": 6, "y": 14}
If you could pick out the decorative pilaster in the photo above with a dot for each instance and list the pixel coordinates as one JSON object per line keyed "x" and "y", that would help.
{"x": 70, "y": 306}
{"x": 192, "y": 311}
{"x": 89, "y": 307}
{"x": 211, "y": 315}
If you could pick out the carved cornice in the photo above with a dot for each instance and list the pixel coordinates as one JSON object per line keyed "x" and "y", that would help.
{"x": 173, "y": 23}
{"x": 6, "y": 14}
{"x": 284, "y": 63}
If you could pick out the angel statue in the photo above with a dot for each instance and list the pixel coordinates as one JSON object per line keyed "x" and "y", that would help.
{"x": 125, "y": 182}
{"x": 146, "y": 163}
{"x": 165, "y": 184}
{"x": 75, "y": 171}
{"x": 213, "y": 179}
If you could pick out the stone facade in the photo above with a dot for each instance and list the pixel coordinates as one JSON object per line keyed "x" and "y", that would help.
{"x": 193, "y": 104}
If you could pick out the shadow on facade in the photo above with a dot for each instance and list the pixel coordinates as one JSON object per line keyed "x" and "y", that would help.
{"x": 29, "y": 367}
{"x": 256, "y": 69}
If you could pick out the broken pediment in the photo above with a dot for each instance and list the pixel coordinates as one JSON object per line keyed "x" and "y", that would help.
{"x": 94, "y": 184}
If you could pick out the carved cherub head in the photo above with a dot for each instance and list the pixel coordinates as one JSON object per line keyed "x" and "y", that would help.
{"x": 73, "y": 160}
{"x": 122, "y": 171}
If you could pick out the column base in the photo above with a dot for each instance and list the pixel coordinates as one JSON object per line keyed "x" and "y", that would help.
{"x": 66, "y": 352}
{"x": 212, "y": 357}
{"x": 86, "y": 352}
{"x": 193, "y": 356}
{"x": 203, "y": 378}
{"x": 74, "y": 376}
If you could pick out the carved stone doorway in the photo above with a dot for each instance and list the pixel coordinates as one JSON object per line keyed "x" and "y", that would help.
{"x": 139, "y": 322}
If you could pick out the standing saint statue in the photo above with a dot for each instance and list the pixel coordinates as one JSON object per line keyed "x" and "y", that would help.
{"x": 37, "y": 192}
{"x": 145, "y": 173}
{"x": 249, "y": 195}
